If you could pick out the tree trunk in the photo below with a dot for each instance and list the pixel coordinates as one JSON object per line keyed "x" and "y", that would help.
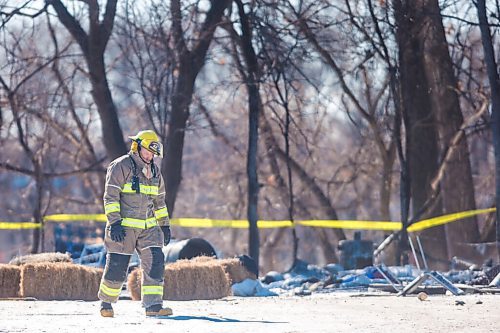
{"x": 37, "y": 211}
{"x": 254, "y": 108}
{"x": 420, "y": 123}
{"x": 37, "y": 167}
{"x": 93, "y": 45}
{"x": 172, "y": 166}
{"x": 112, "y": 133}
{"x": 254, "y": 111}
{"x": 493, "y": 77}
{"x": 386, "y": 182}
{"x": 457, "y": 186}
{"x": 190, "y": 63}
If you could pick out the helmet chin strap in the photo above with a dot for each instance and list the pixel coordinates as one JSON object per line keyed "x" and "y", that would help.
{"x": 139, "y": 152}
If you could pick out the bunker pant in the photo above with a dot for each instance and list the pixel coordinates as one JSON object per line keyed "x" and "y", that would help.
{"x": 148, "y": 243}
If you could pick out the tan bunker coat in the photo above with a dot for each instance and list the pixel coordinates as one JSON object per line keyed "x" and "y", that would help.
{"x": 141, "y": 210}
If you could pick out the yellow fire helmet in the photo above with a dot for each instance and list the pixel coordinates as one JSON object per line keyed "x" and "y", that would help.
{"x": 148, "y": 140}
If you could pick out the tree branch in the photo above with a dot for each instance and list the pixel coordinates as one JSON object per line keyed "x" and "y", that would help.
{"x": 71, "y": 24}
{"x": 108, "y": 21}
{"x": 18, "y": 12}
{"x": 92, "y": 167}
{"x": 304, "y": 28}
{"x": 453, "y": 145}
{"x": 215, "y": 130}
{"x": 177, "y": 33}
{"x": 213, "y": 18}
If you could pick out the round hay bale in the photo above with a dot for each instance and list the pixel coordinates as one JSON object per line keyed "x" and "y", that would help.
{"x": 10, "y": 277}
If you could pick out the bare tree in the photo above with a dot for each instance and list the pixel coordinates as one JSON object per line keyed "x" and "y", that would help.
{"x": 421, "y": 130}
{"x": 494, "y": 79}
{"x": 32, "y": 81}
{"x": 368, "y": 113}
{"x": 457, "y": 196}
{"x": 190, "y": 60}
{"x": 93, "y": 45}
{"x": 251, "y": 76}
{"x": 149, "y": 66}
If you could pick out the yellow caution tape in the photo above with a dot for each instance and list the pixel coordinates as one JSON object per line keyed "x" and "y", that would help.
{"x": 62, "y": 218}
{"x": 208, "y": 223}
{"x": 352, "y": 224}
{"x": 19, "y": 225}
{"x": 75, "y": 217}
{"x": 435, "y": 221}
{"x": 274, "y": 224}
{"x": 243, "y": 224}
{"x": 239, "y": 224}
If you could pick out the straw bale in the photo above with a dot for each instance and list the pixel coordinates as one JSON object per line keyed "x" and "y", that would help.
{"x": 187, "y": 280}
{"x": 236, "y": 271}
{"x": 202, "y": 259}
{"x": 198, "y": 278}
{"x": 134, "y": 284}
{"x": 10, "y": 277}
{"x": 41, "y": 258}
{"x": 60, "y": 281}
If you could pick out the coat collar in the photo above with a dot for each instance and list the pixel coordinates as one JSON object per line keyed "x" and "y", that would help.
{"x": 138, "y": 161}
{"x": 141, "y": 164}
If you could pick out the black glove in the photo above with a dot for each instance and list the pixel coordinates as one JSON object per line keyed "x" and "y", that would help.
{"x": 117, "y": 232}
{"x": 166, "y": 234}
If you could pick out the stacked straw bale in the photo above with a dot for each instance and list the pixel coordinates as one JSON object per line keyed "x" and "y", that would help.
{"x": 198, "y": 278}
{"x": 60, "y": 281}
{"x": 134, "y": 284}
{"x": 236, "y": 271}
{"x": 41, "y": 258}
{"x": 194, "y": 279}
{"x": 10, "y": 277}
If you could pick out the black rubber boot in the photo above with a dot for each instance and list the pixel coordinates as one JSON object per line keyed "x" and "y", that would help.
{"x": 107, "y": 310}
{"x": 157, "y": 310}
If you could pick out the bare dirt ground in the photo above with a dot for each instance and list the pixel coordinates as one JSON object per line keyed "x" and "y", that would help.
{"x": 332, "y": 312}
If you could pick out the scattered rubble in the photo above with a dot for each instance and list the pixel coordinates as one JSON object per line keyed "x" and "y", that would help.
{"x": 304, "y": 279}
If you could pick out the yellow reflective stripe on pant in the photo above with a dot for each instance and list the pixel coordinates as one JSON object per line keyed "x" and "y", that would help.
{"x": 162, "y": 212}
{"x": 152, "y": 290}
{"x": 112, "y": 207}
{"x": 139, "y": 223}
{"x": 109, "y": 291}
{"x": 144, "y": 189}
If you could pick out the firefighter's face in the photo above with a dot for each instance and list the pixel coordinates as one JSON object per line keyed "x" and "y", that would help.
{"x": 146, "y": 155}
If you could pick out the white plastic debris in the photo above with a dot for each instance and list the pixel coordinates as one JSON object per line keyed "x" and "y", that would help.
{"x": 250, "y": 287}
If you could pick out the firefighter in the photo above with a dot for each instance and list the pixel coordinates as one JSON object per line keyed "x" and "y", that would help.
{"x": 137, "y": 219}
